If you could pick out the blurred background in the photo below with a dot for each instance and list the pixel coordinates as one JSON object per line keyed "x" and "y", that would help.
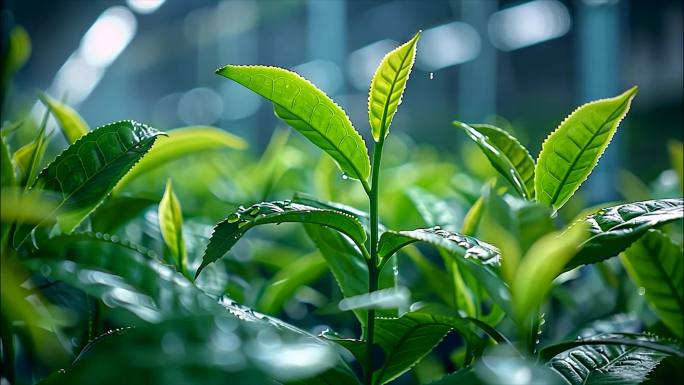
{"x": 522, "y": 64}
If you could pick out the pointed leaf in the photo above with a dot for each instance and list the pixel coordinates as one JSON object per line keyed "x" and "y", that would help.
{"x": 310, "y": 111}
{"x": 605, "y": 360}
{"x": 85, "y": 173}
{"x": 388, "y": 85}
{"x": 171, "y": 225}
{"x": 72, "y": 124}
{"x": 654, "y": 262}
{"x": 510, "y": 158}
{"x": 182, "y": 142}
{"x": 613, "y": 229}
{"x": 468, "y": 247}
{"x": 570, "y": 153}
{"x": 227, "y": 232}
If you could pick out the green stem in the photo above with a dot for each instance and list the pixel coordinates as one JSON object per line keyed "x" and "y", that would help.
{"x": 373, "y": 271}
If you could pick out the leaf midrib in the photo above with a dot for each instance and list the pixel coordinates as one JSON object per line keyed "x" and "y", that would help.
{"x": 583, "y": 149}
{"x": 403, "y": 339}
{"x": 383, "y": 129}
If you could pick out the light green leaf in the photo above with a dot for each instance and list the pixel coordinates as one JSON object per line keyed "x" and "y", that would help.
{"x": 18, "y": 52}
{"x": 85, "y": 173}
{"x": 510, "y": 158}
{"x": 434, "y": 210}
{"x": 540, "y": 266}
{"x": 310, "y": 111}
{"x": 388, "y": 85}
{"x": 654, "y": 263}
{"x": 29, "y": 157}
{"x": 229, "y": 231}
{"x": 676, "y": 150}
{"x": 463, "y": 245}
{"x": 72, "y": 124}
{"x": 179, "y": 143}
{"x": 171, "y": 225}
{"x": 613, "y": 229}
{"x": 570, "y": 153}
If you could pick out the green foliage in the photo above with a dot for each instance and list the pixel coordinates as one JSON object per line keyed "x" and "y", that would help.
{"x": 654, "y": 263}
{"x": 310, "y": 111}
{"x": 388, "y": 85}
{"x": 510, "y": 158}
{"x": 227, "y": 233}
{"x": 570, "y": 153}
{"x": 108, "y": 290}
{"x": 72, "y": 124}
{"x": 171, "y": 225}
{"x": 613, "y": 229}
{"x": 86, "y": 172}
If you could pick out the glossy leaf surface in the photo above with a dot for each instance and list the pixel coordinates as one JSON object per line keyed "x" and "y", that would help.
{"x": 570, "y": 153}
{"x": 388, "y": 85}
{"x": 510, "y": 158}
{"x": 310, "y": 111}
{"x": 229, "y": 231}
{"x": 613, "y": 229}
{"x": 86, "y": 172}
{"x": 654, "y": 263}
{"x": 468, "y": 247}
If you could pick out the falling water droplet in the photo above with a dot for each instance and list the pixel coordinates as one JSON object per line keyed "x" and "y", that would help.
{"x": 234, "y": 217}
{"x": 642, "y": 290}
{"x": 432, "y": 75}
{"x": 345, "y": 176}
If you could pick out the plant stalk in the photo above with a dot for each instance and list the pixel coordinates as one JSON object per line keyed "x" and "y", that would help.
{"x": 373, "y": 272}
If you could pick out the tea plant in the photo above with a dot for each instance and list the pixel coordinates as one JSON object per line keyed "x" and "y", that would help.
{"x": 491, "y": 293}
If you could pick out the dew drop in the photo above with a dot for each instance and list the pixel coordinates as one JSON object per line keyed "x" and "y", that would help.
{"x": 642, "y": 290}
{"x": 345, "y": 176}
{"x": 254, "y": 210}
{"x": 234, "y": 217}
{"x": 432, "y": 75}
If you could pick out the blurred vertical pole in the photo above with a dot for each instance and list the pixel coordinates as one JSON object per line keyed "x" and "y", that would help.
{"x": 327, "y": 32}
{"x": 598, "y": 39}
{"x": 477, "y": 79}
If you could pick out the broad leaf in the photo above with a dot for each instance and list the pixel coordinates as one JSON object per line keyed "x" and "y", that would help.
{"x": 388, "y": 85}
{"x": 85, "y": 173}
{"x": 540, "y": 266}
{"x": 227, "y": 232}
{"x": 182, "y": 142}
{"x": 468, "y": 247}
{"x": 570, "y": 153}
{"x": 171, "y": 226}
{"x": 72, "y": 124}
{"x": 654, "y": 262}
{"x": 600, "y": 360}
{"x": 613, "y": 229}
{"x": 345, "y": 261}
{"x": 310, "y": 111}
{"x": 510, "y": 158}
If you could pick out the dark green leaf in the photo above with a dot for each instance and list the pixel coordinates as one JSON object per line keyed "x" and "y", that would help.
{"x": 654, "y": 263}
{"x": 613, "y": 229}
{"x": 602, "y": 361}
{"x": 229, "y": 231}
{"x": 463, "y": 245}
{"x": 309, "y": 111}
{"x": 510, "y": 158}
{"x": 570, "y": 153}
{"x": 85, "y": 173}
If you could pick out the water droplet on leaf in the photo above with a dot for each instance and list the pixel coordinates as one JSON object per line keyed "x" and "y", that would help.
{"x": 345, "y": 176}
{"x": 642, "y": 290}
{"x": 233, "y": 218}
{"x": 432, "y": 75}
